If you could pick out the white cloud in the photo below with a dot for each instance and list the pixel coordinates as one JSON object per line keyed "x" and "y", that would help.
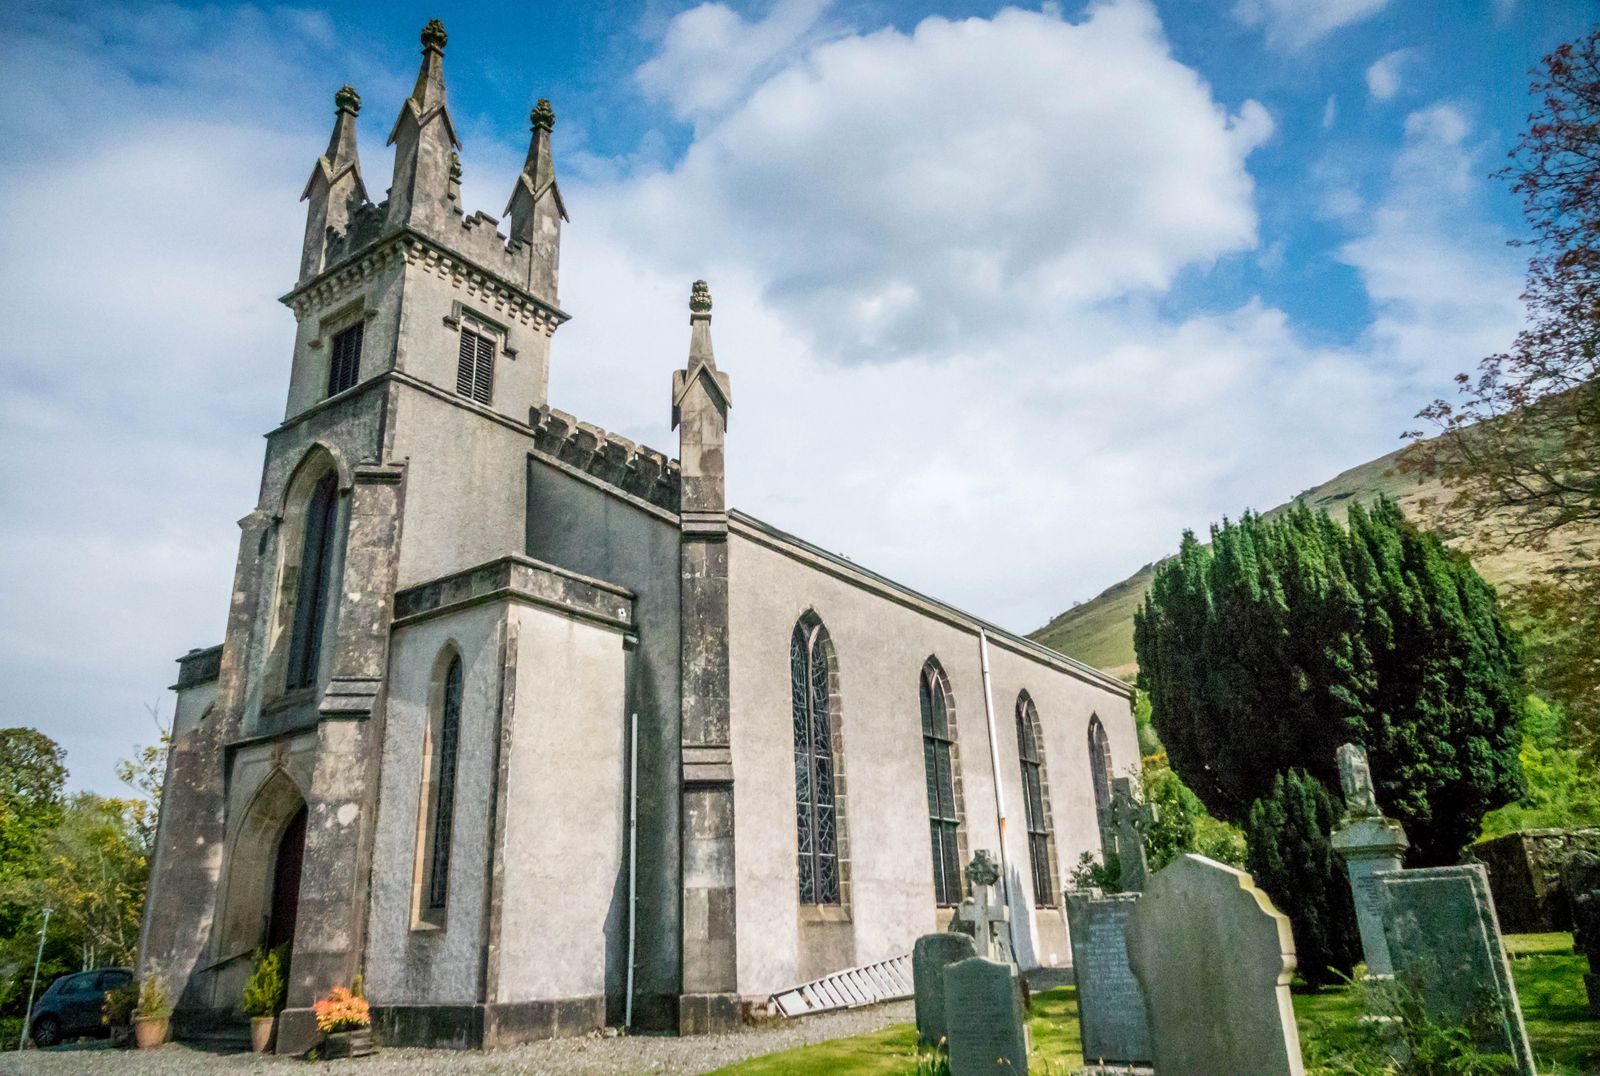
{"x": 1384, "y": 76}
{"x": 1294, "y": 24}
{"x": 711, "y": 55}
{"x": 908, "y": 194}
{"x": 1330, "y": 111}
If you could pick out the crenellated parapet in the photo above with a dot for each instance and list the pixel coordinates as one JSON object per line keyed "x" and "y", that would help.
{"x": 636, "y": 469}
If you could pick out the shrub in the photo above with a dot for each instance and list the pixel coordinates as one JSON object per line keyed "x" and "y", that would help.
{"x": 342, "y": 1010}
{"x": 117, "y": 1009}
{"x": 266, "y": 991}
{"x": 153, "y": 1001}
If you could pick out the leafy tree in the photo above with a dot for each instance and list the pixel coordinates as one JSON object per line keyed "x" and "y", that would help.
{"x": 93, "y": 872}
{"x": 1523, "y": 437}
{"x": 1282, "y": 639}
{"x": 1562, "y": 780}
{"x": 1181, "y": 823}
{"x": 1290, "y": 857}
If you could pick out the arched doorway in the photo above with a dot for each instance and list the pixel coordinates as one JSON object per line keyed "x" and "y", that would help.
{"x": 285, "y": 902}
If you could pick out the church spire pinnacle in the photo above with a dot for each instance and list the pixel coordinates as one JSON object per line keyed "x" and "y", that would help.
{"x": 536, "y": 209}
{"x": 423, "y": 137}
{"x": 700, "y": 390}
{"x": 335, "y": 188}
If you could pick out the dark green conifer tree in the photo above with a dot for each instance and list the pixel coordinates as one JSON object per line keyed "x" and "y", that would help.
{"x": 1291, "y": 858}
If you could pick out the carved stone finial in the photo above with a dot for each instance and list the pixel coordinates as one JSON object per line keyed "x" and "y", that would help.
{"x": 347, "y": 99}
{"x": 542, "y": 115}
{"x": 1355, "y": 778}
{"x": 982, "y": 870}
{"x": 700, "y": 298}
{"x": 433, "y": 35}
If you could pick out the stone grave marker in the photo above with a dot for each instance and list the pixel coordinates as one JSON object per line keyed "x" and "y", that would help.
{"x": 1368, "y": 843}
{"x": 983, "y": 1012}
{"x": 1128, "y": 818}
{"x": 982, "y": 915}
{"x": 1214, "y": 959}
{"x": 1444, "y": 939}
{"x": 929, "y": 957}
{"x": 1111, "y": 1013}
{"x": 1580, "y": 877}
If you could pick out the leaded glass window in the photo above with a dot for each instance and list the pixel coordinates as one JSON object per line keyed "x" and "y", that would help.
{"x": 1038, "y": 819}
{"x": 938, "y": 742}
{"x": 311, "y": 591}
{"x": 1100, "y": 766}
{"x": 445, "y": 751}
{"x": 816, "y": 808}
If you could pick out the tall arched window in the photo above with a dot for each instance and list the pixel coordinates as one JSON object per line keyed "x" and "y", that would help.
{"x": 940, "y": 761}
{"x": 311, "y": 590}
{"x": 439, "y": 793}
{"x": 815, "y": 772}
{"x": 1036, "y": 801}
{"x": 1100, "y": 766}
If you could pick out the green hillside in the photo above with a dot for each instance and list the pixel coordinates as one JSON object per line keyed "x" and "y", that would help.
{"x": 1100, "y": 631}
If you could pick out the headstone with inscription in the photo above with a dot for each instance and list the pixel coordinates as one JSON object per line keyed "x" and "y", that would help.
{"x": 983, "y": 1012}
{"x": 1444, "y": 940}
{"x": 1214, "y": 959}
{"x": 1369, "y": 843}
{"x": 1111, "y": 1014}
{"x": 1128, "y": 818}
{"x": 929, "y": 957}
{"x": 1580, "y": 877}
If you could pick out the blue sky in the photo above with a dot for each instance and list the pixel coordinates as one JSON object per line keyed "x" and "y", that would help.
{"x": 1009, "y": 295}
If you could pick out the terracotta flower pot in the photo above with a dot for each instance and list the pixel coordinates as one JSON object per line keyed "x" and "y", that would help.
{"x": 151, "y": 1031}
{"x": 357, "y": 1043}
{"x": 261, "y": 1028}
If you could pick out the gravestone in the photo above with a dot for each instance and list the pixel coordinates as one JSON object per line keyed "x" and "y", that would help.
{"x": 981, "y": 915}
{"x": 1369, "y": 843}
{"x": 1214, "y": 959}
{"x": 983, "y": 1012}
{"x": 1127, "y": 819}
{"x": 1444, "y": 940}
{"x": 929, "y": 957}
{"x": 1111, "y": 1013}
{"x": 1581, "y": 879}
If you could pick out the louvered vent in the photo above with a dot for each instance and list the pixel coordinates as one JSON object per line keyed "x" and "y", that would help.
{"x": 344, "y": 359}
{"x": 475, "y": 367}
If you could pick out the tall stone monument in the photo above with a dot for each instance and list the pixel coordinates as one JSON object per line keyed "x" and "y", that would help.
{"x": 1127, "y": 818}
{"x": 1369, "y": 843}
{"x": 1444, "y": 940}
{"x": 1214, "y": 959}
{"x": 982, "y": 915}
{"x": 983, "y": 1012}
{"x": 929, "y": 957}
{"x": 1111, "y": 1013}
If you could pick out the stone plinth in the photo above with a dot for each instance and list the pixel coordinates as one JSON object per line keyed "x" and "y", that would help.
{"x": 1444, "y": 939}
{"x": 983, "y": 1012}
{"x": 1111, "y": 1011}
{"x": 1370, "y": 846}
{"x": 929, "y": 957}
{"x": 1214, "y": 959}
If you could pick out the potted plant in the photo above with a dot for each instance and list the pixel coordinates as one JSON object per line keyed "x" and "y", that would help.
{"x": 152, "y": 1016}
{"x": 116, "y": 1012}
{"x": 264, "y": 995}
{"x": 345, "y": 1022}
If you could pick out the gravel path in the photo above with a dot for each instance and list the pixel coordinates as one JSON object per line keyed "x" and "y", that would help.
{"x": 590, "y": 1056}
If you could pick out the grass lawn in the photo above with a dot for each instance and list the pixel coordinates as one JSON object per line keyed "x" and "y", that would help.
{"x": 1549, "y": 980}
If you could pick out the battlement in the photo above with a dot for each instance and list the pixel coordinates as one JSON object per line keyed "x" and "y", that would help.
{"x": 645, "y": 473}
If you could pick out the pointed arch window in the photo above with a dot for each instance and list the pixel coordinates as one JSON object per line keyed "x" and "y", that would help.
{"x": 940, "y": 762}
{"x": 1036, "y": 802}
{"x": 815, "y": 770}
{"x": 439, "y": 794}
{"x": 311, "y": 592}
{"x": 1100, "y": 766}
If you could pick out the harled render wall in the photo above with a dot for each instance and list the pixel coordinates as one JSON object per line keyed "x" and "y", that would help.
{"x": 881, "y": 643}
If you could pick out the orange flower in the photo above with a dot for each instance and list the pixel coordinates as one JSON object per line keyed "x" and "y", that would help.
{"x": 341, "y": 1011}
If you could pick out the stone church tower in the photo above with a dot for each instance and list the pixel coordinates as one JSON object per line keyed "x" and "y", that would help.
{"x": 453, "y": 606}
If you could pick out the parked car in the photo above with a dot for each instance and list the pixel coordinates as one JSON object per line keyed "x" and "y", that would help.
{"x": 70, "y": 1008}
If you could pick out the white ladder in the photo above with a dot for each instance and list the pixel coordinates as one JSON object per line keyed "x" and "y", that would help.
{"x": 886, "y": 980}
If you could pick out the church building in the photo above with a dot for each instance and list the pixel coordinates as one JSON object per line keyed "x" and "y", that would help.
{"x": 522, "y": 723}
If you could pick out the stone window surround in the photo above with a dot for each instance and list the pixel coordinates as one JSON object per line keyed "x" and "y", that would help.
{"x": 1101, "y": 767}
{"x": 842, "y": 911}
{"x": 330, "y": 325}
{"x": 423, "y": 917}
{"x": 934, "y": 665}
{"x": 1031, "y": 713}
{"x": 463, "y": 316}
{"x": 288, "y": 532}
